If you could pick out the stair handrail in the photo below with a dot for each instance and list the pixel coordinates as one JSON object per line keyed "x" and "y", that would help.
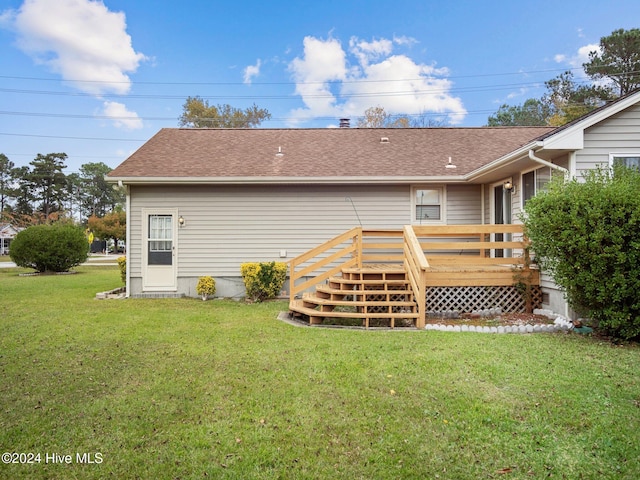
{"x": 416, "y": 265}
{"x": 349, "y": 256}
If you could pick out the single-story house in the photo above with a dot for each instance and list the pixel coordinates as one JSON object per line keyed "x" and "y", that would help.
{"x": 203, "y": 201}
{"x": 7, "y": 234}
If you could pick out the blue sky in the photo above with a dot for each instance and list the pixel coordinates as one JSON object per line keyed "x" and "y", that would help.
{"x": 95, "y": 79}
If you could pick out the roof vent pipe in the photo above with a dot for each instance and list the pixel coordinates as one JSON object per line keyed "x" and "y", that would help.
{"x": 345, "y": 123}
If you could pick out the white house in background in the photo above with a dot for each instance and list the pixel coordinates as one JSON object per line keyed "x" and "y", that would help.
{"x": 203, "y": 201}
{"x": 7, "y": 234}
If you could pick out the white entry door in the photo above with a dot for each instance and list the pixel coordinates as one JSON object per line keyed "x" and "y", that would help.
{"x": 159, "y": 250}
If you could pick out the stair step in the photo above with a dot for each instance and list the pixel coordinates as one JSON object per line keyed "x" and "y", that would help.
{"x": 328, "y": 289}
{"x": 376, "y": 269}
{"x": 354, "y": 282}
{"x": 298, "y": 307}
{"x": 374, "y": 287}
{"x": 312, "y": 299}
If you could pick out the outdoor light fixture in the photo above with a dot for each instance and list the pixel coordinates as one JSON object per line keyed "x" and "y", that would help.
{"x": 450, "y": 165}
{"x": 181, "y": 221}
{"x": 509, "y": 187}
{"x": 279, "y": 154}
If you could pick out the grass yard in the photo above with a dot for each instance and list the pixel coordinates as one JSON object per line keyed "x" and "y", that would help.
{"x": 185, "y": 389}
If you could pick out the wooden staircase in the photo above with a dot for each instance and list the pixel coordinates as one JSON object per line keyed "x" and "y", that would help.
{"x": 376, "y": 276}
{"x": 376, "y": 294}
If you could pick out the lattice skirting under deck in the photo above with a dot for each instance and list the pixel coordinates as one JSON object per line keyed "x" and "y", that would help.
{"x": 470, "y": 299}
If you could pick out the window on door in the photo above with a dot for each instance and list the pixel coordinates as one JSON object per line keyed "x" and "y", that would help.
{"x": 534, "y": 182}
{"x": 160, "y": 240}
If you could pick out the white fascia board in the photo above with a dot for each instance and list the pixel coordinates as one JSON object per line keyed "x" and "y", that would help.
{"x": 572, "y": 138}
{"x": 503, "y": 161}
{"x": 569, "y": 139}
{"x": 285, "y": 180}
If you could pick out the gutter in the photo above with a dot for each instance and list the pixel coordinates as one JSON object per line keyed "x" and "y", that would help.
{"x": 501, "y": 162}
{"x": 286, "y": 180}
{"x": 533, "y": 157}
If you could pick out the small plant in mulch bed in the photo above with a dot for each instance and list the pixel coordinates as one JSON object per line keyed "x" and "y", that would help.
{"x": 206, "y": 287}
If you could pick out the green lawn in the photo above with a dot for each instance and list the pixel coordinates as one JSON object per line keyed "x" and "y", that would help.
{"x": 186, "y": 389}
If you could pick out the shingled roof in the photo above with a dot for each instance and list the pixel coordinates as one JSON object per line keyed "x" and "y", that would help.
{"x": 355, "y": 153}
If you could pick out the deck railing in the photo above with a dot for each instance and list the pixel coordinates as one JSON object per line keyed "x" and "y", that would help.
{"x": 328, "y": 259}
{"x": 421, "y": 250}
{"x": 493, "y": 244}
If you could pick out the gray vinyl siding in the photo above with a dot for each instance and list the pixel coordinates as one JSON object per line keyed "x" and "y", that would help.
{"x": 617, "y": 134}
{"x": 228, "y": 225}
{"x": 463, "y": 205}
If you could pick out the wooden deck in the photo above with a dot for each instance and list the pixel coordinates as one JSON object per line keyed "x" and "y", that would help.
{"x": 378, "y": 274}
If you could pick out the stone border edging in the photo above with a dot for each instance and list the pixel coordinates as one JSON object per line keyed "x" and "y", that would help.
{"x": 560, "y": 324}
{"x": 115, "y": 293}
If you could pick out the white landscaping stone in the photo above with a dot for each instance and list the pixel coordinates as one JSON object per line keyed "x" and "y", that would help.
{"x": 493, "y": 329}
{"x": 501, "y": 329}
{"x": 464, "y": 328}
{"x": 543, "y": 311}
{"x": 529, "y": 328}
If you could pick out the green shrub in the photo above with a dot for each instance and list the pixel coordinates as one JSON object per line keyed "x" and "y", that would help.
{"x": 263, "y": 280}
{"x": 50, "y": 248}
{"x": 122, "y": 265}
{"x": 587, "y": 236}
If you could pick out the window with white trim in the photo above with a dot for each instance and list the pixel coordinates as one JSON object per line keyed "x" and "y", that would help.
{"x": 534, "y": 182}
{"x": 428, "y": 205}
{"x": 631, "y": 160}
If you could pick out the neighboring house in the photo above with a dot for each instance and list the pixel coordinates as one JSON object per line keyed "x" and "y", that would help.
{"x": 203, "y": 201}
{"x": 7, "y": 234}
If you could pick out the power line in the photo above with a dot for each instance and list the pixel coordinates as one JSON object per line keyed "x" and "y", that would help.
{"x": 123, "y": 82}
{"x": 74, "y": 138}
{"x": 289, "y": 96}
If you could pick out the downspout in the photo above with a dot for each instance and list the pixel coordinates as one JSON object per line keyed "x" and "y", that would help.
{"x": 128, "y": 237}
{"x": 533, "y": 157}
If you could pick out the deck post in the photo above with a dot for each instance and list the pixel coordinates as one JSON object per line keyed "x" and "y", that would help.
{"x": 357, "y": 243}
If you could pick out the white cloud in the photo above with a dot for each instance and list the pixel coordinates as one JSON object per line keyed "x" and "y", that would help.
{"x": 324, "y": 62}
{"x": 121, "y": 117}
{"x": 580, "y": 57}
{"x": 370, "y": 51}
{"x": 252, "y": 71}
{"x": 332, "y": 87}
{"x": 81, "y": 40}
{"x": 403, "y": 40}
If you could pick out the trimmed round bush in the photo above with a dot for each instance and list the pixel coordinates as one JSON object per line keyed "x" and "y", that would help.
{"x": 263, "y": 280}
{"x": 50, "y": 248}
